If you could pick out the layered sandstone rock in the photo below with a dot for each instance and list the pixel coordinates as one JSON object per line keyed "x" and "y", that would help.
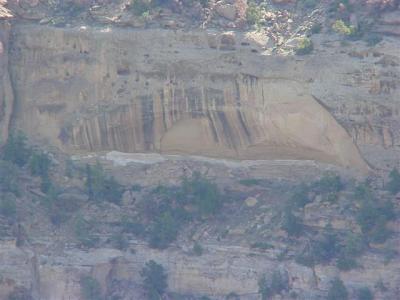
{"x": 234, "y": 269}
{"x": 6, "y": 94}
{"x": 176, "y": 92}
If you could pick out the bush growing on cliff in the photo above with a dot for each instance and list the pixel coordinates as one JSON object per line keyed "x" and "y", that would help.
{"x": 132, "y": 226}
{"x": 83, "y": 233}
{"x": 199, "y": 191}
{"x": 167, "y": 209}
{"x": 309, "y": 4}
{"x": 119, "y": 241}
{"x": 325, "y": 247}
{"x": 342, "y": 28}
{"x": 393, "y": 185}
{"x": 101, "y": 187}
{"x": 90, "y": 288}
{"x": 300, "y": 196}
{"x": 8, "y": 205}
{"x": 305, "y": 46}
{"x": 164, "y": 231}
{"x": 39, "y": 164}
{"x": 372, "y": 218}
{"x": 337, "y": 290}
{"x": 139, "y": 7}
{"x": 232, "y": 296}
{"x": 291, "y": 223}
{"x": 320, "y": 250}
{"x": 364, "y": 294}
{"x": 263, "y": 288}
{"x": 255, "y": 14}
{"x": 353, "y": 247}
{"x": 328, "y": 183}
{"x": 154, "y": 280}
{"x": 8, "y": 177}
{"x": 16, "y": 149}
{"x": 273, "y": 286}
{"x": 197, "y": 249}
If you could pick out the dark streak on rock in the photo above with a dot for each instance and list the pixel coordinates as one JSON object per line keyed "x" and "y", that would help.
{"x": 148, "y": 121}
{"x": 212, "y": 126}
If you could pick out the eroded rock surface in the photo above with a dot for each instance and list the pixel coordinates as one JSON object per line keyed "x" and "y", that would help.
{"x": 192, "y": 93}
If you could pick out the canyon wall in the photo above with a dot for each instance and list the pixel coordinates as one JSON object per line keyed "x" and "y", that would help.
{"x": 204, "y": 93}
{"x": 6, "y": 93}
{"x": 234, "y": 269}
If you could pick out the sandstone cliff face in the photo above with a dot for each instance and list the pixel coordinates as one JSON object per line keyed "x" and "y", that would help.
{"x": 205, "y": 93}
{"x": 234, "y": 269}
{"x": 6, "y": 93}
{"x": 172, "y": 92}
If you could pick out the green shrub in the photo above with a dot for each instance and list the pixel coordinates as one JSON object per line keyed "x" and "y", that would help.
{"x": 300, "y": 197}
{"x": 171, "y": 207}
{"x": 119, "y": 241}
{"x": 291, "y": 223}
{"x": 364, "y": 294}
{"x": 39, "y": 164}
{"x": 197, "y": 249}
{"x": 381, "y": 286}
{"x": 389, "y": 255}
{"x": 316, "y": 28}
{"x": 305, "y": 46}
{"x": 47, "y": 186}
{"x": 69, "y": 168}
{"x": 154, "y": 280}
{"x": 250, "y": 181}
{"x": 136, "y": 188}
{"x": 320, "y": 250}
{"x": 200, "y": 192}
{"x": 83, "y": 233}
{"x": 330, "y": 197}
{"x": 254, "y": 14}
{"x": 310, "y": 4}
{"x": 326, "y": 247}
{"x": 273, "y": 286}
{"x": 354, "y": 245}
{"x": 132, "y": 226}
{"x": 342, "y": 28}
{"x": 261, "y": 245}
{"x": 16, "y": 149}
{"x": 232, "y": 296}
{"x": 305, "y": 258}
{"x": 8, "y": 205}
{"x": 164, "y": 231}
{"x": 101, "y": 187}
{"x": 363, "y": 192}
{"x": 393, "y": 185}
{"x": 90, "y": 288}
{"x": 337, "y": 290}
{"x": 139, "y": 7}
{"x": 8, "y": 177}
{"x": 379, "y": 233}
{"x": 346, "y": 263}
{"x": 372, "y": 39}
{"x": 372, "y": 218}
{"x": 263, "y": 288}
{"x": 278, "y": 283}
{"x": 329, "y": 183}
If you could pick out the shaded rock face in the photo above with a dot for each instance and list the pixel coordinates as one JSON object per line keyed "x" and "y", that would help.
{"x": 6, "y": 94}
{"x": 234, "y": 269}
{"x": 188, "y": 93}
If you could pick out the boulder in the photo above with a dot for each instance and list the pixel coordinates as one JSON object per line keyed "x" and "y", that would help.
{"x": 227, "y": 11}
